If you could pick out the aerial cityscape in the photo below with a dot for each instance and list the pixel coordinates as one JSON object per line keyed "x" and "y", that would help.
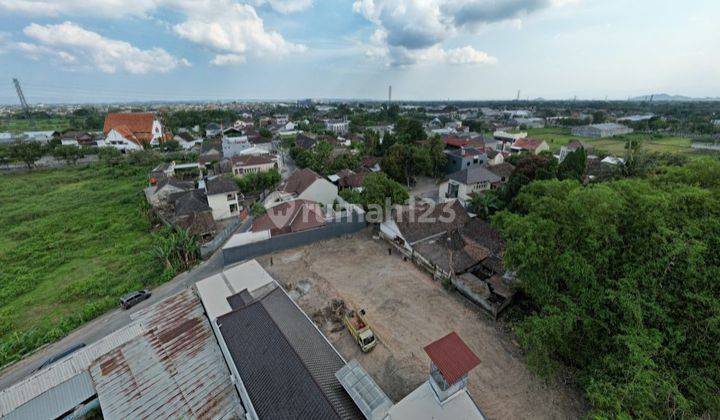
{"x": 359, "y": 209}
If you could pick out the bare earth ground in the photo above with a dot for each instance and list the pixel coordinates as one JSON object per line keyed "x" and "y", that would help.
{"x": 407, "y": 311}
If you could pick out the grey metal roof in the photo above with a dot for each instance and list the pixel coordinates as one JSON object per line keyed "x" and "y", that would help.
{"x": 62, "y": 371}
{"x": 56, "y": 401}
{"x": 175, "y": 370}
{"x": 368, "y": 396}
{"x": 286, "y": 365}
{"x": 474, "y": 174}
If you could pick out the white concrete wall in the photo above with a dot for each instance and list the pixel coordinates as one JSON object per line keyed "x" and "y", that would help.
{"x": 220, "y": 206}
{"x": 119, "y": 142}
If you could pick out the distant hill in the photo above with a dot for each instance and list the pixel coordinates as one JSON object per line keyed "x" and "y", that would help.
{"x": 664, "y": 97}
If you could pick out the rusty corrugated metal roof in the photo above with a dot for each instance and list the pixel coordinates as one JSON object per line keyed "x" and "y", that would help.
{"x": 175, "y": 370}
{"x": 39, "y": 383}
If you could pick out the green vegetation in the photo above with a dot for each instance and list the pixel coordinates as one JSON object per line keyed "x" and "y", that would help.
{"x": 622, "y": 278}
{"x": 73, "y": 241}
{"x": 378, "y": 190}
{"x": 17, "y": 125}
{"x": 257, "y": 182}
{"x": 558, "y": 137}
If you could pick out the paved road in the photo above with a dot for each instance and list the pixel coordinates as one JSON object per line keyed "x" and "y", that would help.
{"x": 110, "y": 322}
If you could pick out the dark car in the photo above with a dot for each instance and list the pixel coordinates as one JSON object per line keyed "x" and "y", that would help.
{"x": 133, "y": 298}
{"x": 61, "y": 355}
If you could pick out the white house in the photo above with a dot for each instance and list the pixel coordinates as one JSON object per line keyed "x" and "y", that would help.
{"x": 462, "y": 185}
{"x": 249, "y": 164}
{"x": 304, "y": 184}
{"x": 130, "y": 131}
{"x": 222, "y": 196}
{"x": 281, "y": 119}
{"x": 338, "y": 127}
{"x": 122, "y": 139}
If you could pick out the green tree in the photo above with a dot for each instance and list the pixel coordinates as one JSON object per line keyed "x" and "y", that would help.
{"x": 438, "y": 158}
{"x": 380, "y": 190}
{"x": 485, "y": 205}
{"x": 69, "y": 154}
{"x": 403, "y": 162}
{"x": 265, "y": 133}
{"x": 170, "y": 146}
{"x": 257, "y": 209}
{"x": 625, "y": 292}
{"x": 27, "y": 152}
{"x": 573, "y": 166}
{"x": 410, "y": 130}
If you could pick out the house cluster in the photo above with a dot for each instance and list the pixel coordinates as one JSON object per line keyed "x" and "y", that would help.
{"x": 235, "y": 346}
{"x": 454, "y": 247}
{"x": 199, "y": 206}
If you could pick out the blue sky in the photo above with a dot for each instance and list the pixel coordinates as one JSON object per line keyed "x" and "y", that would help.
{"x": 111, "y": 50}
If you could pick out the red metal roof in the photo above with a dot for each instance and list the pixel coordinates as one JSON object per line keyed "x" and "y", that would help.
{"x": 455, "y": 141}
{"x": 452, "y": 357}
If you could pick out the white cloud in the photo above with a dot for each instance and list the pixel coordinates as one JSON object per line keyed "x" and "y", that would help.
{"x": 286, "y": 6}
{"x": 228, "y": 59}
{"x": 223, "y": 26}
{"x": 238, "y": 31}
{"x": 76, "y": 46}
{"x": 412, "y": 31}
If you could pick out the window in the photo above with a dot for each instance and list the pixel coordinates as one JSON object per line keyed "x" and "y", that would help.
{"x": 233, "y": 208}
{"x": 231, "y": 197}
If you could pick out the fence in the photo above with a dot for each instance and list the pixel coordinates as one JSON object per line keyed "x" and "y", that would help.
{"x": 348, "y": 224}
{"x": 220, "y": 238}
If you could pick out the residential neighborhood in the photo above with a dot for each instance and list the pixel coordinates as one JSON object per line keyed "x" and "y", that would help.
{"x": 372, "y": 209}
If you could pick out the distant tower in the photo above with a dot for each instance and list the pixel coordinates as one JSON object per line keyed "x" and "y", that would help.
{"x": 389, "y": 95}
{"x": 20, "y": 94}
{"x": 517, "y": 98}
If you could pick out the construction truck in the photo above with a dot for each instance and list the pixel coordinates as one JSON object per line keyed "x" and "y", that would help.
{"x": 359, "y": 328}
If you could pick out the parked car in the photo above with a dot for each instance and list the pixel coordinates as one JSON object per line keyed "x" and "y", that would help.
{"x": 133, "y": 298}
{"x": 61, "y": 355}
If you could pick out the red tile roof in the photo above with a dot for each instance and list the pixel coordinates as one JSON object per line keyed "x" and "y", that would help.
{"x": 452, "y": 357}
{"x": 528, "y": 143}
{"x": 138, "y": 124}
{"x": 455, "y": 141}
{"x": 292, "y": 216}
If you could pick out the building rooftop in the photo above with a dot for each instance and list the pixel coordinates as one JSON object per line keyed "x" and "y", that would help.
{"x": 474, "y": 175}
{"x": 452, "y": 357}
{"x": 220, "y": 185}
{"x": 297, "y": 378}
{"x": 422, "y": 403}
{"x": 174, "y": 370}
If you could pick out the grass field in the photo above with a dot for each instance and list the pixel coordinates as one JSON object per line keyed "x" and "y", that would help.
{"x": 35, "y": 124}
{"x": 557, "y": 137}
{"x": 71, "y": 242}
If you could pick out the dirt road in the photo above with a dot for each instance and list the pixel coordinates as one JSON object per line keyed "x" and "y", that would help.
{"x": 409, "y": 310}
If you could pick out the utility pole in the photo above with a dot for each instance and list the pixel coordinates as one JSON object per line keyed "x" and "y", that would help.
{"x": 20, "y": 94}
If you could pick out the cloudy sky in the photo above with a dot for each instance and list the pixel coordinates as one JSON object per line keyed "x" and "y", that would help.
{"x": 125, "y": 50}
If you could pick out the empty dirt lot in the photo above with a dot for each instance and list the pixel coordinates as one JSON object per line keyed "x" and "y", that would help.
{"x": 407, "y": 311}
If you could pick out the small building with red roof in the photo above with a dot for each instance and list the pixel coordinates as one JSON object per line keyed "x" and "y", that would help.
{"x": 534, "y": 146}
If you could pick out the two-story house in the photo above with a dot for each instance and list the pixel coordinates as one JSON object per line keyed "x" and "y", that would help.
{"x": 223, "y": 198}
{"x": 249, "y": 164}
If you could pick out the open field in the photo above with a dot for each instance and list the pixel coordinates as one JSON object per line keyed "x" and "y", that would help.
{"x": 71, "y": 242}
{"x": 557, "y": 137}
{"x": 35, "y": 124}
{"x": 409, "y": 310}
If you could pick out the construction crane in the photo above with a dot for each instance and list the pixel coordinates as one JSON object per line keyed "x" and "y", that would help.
{"x": 20, "y": 94}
